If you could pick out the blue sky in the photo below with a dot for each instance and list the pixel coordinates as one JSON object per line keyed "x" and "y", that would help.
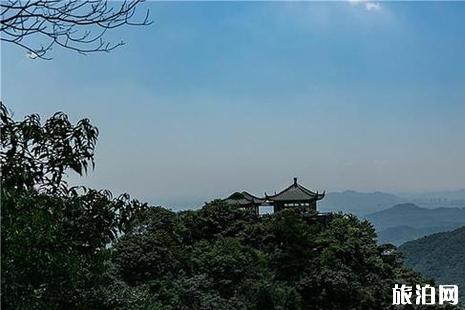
{"x": 216, "y": 97}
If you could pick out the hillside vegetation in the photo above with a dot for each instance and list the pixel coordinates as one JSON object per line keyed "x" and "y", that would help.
{"x": 221, "y": 257}
{"x": 440, "y": 256}
{"x": 77, "y": 248}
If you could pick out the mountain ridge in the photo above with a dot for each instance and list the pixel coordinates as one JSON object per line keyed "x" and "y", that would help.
{"x": 440, "y": 256}
{"x": 364, "y": 203}
{"x": 407, "y": 221}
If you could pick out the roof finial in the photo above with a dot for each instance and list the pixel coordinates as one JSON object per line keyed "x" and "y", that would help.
{"x": 295, "y": 181}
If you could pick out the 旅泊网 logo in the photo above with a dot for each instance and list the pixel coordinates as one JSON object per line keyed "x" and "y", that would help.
{"x": 425, "y": 295}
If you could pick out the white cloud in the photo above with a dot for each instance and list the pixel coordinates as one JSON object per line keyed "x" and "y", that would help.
{"x": 368, "y": 5}
{"x": 372, "y": 6}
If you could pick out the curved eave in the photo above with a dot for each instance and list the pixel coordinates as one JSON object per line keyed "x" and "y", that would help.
{"x": 311, "y": 195}
{"x": 252, "y": 197}
{"x": 321, "y": 196}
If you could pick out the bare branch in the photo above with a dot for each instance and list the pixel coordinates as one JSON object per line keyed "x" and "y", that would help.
{"x": 37, "y": 26}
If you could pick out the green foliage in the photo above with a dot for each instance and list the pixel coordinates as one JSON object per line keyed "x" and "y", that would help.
{"x": 54, "y": 238}
{"x": 440, "y": 256}
{"x": 220, "y": 257}
{"x": 36, "y": 155}
{"x": 78, "y": 248}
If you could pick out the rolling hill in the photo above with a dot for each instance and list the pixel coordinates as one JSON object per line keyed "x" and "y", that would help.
{"x": 405, "y": 222}
{"x": 440, "y": 256}
{"x": 358, "y": 203}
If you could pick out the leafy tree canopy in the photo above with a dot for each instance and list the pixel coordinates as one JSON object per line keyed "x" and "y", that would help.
{"x": 77, "y": 248}
{"x": 55, "y": 238}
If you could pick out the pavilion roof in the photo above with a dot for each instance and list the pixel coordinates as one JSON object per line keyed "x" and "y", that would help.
{"x": 243, "y": 198}
{"x": 295, "y": 192}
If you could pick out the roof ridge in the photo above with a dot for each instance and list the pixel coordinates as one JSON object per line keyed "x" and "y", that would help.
{"x": 251, "y": 195}
{"x": 307, "y": 190}
{"x": 283, "y": 191}
{"x": 293, "y": 190}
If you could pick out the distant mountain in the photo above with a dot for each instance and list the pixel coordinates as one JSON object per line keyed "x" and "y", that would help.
{"x": 440, "y": 256}
{"x": 358, "y": 203}
{"x": 447, "y": 199}
{"x": 405, "y": 222}
{"x": 409, "y": 214}
{"x": 349, "y": 201}
{"x": 455, "y": 195}
{"x": 400, "y": 234}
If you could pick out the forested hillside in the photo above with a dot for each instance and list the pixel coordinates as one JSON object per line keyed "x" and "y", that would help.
{"x": 440, "y": 256}
{"x": 78, "y": 248}
{"x": 221, "y": 257}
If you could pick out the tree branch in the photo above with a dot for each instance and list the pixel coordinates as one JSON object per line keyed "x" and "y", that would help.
{"x": 37, "y": 26}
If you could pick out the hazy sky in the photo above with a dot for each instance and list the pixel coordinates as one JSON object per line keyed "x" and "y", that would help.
{"x": 218, "y": 97}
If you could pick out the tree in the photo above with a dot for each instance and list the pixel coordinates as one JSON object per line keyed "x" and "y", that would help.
{"x": 39, "y": 25}
{"x": 36, "y": 156}
{"x": 78, "y": 248}
{"x": 221, "y": 257}
{"x": 54, "y": 237}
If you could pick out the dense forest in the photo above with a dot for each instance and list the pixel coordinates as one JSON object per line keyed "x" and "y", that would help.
{"x": 441, "y": 256}
{"x": 69, "y": 247}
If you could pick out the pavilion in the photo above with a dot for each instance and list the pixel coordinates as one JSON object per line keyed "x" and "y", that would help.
{"x": 294, "y": 196}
